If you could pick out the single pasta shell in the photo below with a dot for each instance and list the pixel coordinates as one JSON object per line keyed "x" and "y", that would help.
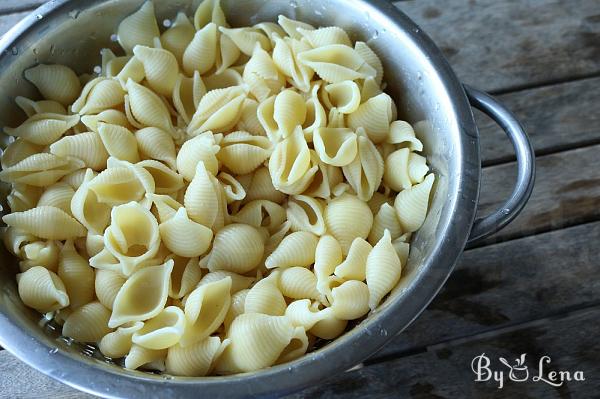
{"x": 160, "y": 66}
{"x": 335, "y": 146}
{"x": 261, "y": 187}
{"x": 239, "y": 258}
{"x": 107, "y": 286}
{"x": 402, "y": 134}
{"x": 383, "y": 270}
{"x": 265, "y": 297}
{"x": 354, "y": 266}
{"x": 46, "y": 222}
{"x": 297, "y": 249}
{"x": 109, "y": 116}
{"x": 98, "y": 95}
{"x": 371, "y": 58}
{"x": 44, "y": 129}
{"x": 325, "y": 36}
{"x": 242, "y": 153}
{"x": 58, "y": 195}
{"x": 328, "y": 255}
{"x": 290, "y": 26}
{"x": 346, "y": 218}
{"x": 77, "y": 276}
{"x": 162, "y": 331}
{"x": 40, "y": 170}
{"x": 246, "y": 39}
{"x": 89, "y": 323}
{"x": 335, "y": 63}
{"x": 41, "y": 253}
{"x": 146, "y": 108}
{"x": 329, "y": 328}
{"x": 31, "y": 107}
{"x": 201, "y": 199}
{"x": 298, "y": 283}
{"x": 185, "y": 276}
{"x": 385, "y": 219}
{"x": 302, "y": 314}
{"x": 178, "y": 36}
{"x": 195, "y": 360}
{"x": 201, "y": 148}
{"x": 138, "y": 28}
{"x": 375, "y": 116}
{"x": 411, "y": 204}
{"x": 289, "y": 111}
{"x": 350, "y": 300}
{"x": 166, "y": 180}
{"x": 17, "y": 151}
{"x": 41, "y": 289}
{"x": 55, "y": 82}
{"x": 86, "y": 146}
{"x": 119, "y": 142}
{"x": 201, "y": 53}
{"x": 238, "y": 282}
{"x": 149, "y": 359}
{"x": 118, "y": 343}
{"x": 344, "y": 96}
{"x": 185, "y": 237}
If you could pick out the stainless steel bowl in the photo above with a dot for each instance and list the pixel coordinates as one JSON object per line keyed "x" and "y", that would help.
{"x": 428, "y": 95}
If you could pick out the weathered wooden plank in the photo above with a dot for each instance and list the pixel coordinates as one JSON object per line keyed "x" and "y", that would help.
{"x": 556, "y": 117}
{"x": 18, "y": 380}
{"x": 9, "y": 20}
{"x": 567, "y": 192}
{"x": 445, "y": 371}
{"x": 11, "y": 6}
{"x": 508, "y": 283}
{"x": 502, "y": 45}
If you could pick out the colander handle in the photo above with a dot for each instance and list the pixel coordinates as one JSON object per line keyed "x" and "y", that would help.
{"x": 487, "y": 225}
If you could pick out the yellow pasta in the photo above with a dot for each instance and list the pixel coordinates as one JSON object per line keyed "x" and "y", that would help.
{"x": 98, "y": 95}
{"x": 160, "y": 68}
{"x": 262, "y": 76}
{"x": 187, "y": 93}
{"x": 185, "y": 237}
{"x": 138, "y": 28}
{"x": 196, "y": 360}
{"x": 43, "y": 129}
{"x": 242, "y": 152}
{"x": 86, "y": 146}
{"x": 46, "y": 222}
{"x": 354, "y": 266}
{"x": 383, "y": 270}
{"x": 375, "y": 116}
{"x": 162, "y": 331}
{"x": 350, "y": 300}
{"x": 178, "y": 36}
{"x": 239, "y": 258}
{"x": 39, "y": 253}
{"x": 107, "y": 286}
{"x": 41, "y": 289}
{"x": 89, "y": 323}
{"x": 118, "y": 343}
{"x": 296, "y": 249}
{"x": 365, "y": 172}
{"x": 31, "y": 107}
{"x": 145, "y": 109}
{"x": 411, "y": 204}
{"x": 265, "y": 297}
{"x": 298, "y": 283}
{"x": 341, "y": 215}
{"x": 201, "y": 53}
{"x": 185, "y": 276}
{"x": 202, "y": 148}
{"x": 77, "y": 276}
{"x": 55, "y": 82}
{"x": 119, "y": 142}
{"x": 335, "y": 63}
{"x": 218, "y": 111}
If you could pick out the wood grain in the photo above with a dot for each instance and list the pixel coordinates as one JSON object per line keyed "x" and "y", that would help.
{"x": 508, "y": 283}
{"x": 444, "y": 371}
{"x": 503, "y": 45}
{"x": 566, "y": 193}
{"x": 556, "y": 117}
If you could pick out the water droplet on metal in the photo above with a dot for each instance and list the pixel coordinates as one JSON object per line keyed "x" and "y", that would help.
{"x": 39, "y": 16}
{"x": 114, "y": 37}
{"x": 14, "y": 51}
{"x": 53, "y": 351}
{"x": 166, "y": 23}
{"x": 74, "y": 14}
{"x": 375, "y": 35}
{"x": 35, "y": 51}
{"x": 98, "y": 69}
{"x": 294, "y": 4}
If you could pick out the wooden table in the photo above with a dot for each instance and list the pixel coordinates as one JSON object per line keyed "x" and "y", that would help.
{"x": 534, "y": 287}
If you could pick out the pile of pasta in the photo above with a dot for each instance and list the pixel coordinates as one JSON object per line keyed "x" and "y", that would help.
{"x": 216, "y": 199}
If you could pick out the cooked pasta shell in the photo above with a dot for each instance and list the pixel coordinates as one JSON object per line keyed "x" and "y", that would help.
{"x": 341, "y": 216}
{"x": 209, "y": 11}
{"x": 147, "y": 359}
{"x": 329, "y": 328}
{"x": 55, "y": 82}
{"x": 383, "y": 270}
{"x": 185, "y": 237}
{"x": 43, "y": 129}
{"x": 325, "y": 36}
{"x": 298, "y": 283}
{"x": 89, "y": 323}
{"x": 119, "y": 142}
{"x": 218, "y": 110}
{"x": 205, "y": 310}
{"x": 133, "y": 303}
{"x": 227, "y": 53}
{"x": 248, "y": 119}
{"x": 402, "y": 134}
{"x": 271, "y": 29}
{"x": 98, "y": 95}
{"x": 247, "y": 38}
{"x": 242, "y": 152}
{"x": 75, "y": 179}
{"x": 185, "y": 276}
{"x": 385, "y": 219}
{"x": 265, "y": 297}
{"x": 285, "y": 53}
{"x": 302, "y": 314}
{"x": 94, "y": 243}
{"x": 335, "y": 63}
{"x": 122, "y": 184}
{"x": 105, "y": 260}
{"x": 234, "y": 191}
{"x": 86, "y": 208}
{"x": 40, "y": 253}
{"x": 46, "y": 222}
{"x": 290, "y": 26}
{"x": 77, "y": 275}
{"x": 375, "y": 116}
{"x": 118, "y": 343}
{"x": 201, "y": 198}
{"x": 109, "y": 116}
{"x": 133, "y": 70}
{"x": 370, "y": 58}
{"x": 31, "y": 107}
{"x": 350, "y": 300}
{"x": 290, "y": 163}
{"x": 403, "y": 169}
{"x": 328, "y": 255}
{"x": 133, "y": 236}
{"x": 201, "y": 53}
{"x": 178, "y": 36}
{"x": 343, "y": 96}
{"x": 239, "y": 258}
{"x": 23, "y": 197}
{"x": 411, "y": 204}
{"x": 326, "y": 178}
{"x": 160, "y": 68}
{"x": 17, "y": 151}
{"x": 261, "y": 187}
{"x": 162, "y": 331}
{"x": 262, "y": 76}
{"x": 369, "y": 89}
{"x": 86, "y": 146}
{"x": 289, "y": 111}
{"x": 354, "y": 266}
{"x": 238, "y": 282}
{"x": 187, "y": 93}
{"x": 15, "y": 240}
{"x": 196, "y": 360}
{"x": 297, "y": 249}
{"x": 145, "y": 109}
{"x": 365, "y": 172}
{"x": 138, "y": 28}
{"x": 107, "y": 286}
{"x": 261, "y": 213}
{"x": 306, "y": 214}
{"x": 265, "y": 112}
{"x": 166, "y": 181}
{"x": 335, "y": 146}
{"x": 238, "y": 302}
{"x": 166, "y": 206}
{"x": 226, "y": 78}
{"x": 257, "y": 341}
{"x": 41, "y": 289}
{"x": 402, "y": 249}
{"x": 200, "y": 149}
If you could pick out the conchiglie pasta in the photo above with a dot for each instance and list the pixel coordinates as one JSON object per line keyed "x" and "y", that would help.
{"x": 162, "y": 331}
{"x": 385, "y": 219}
{"x": 383, "y": 270}
{"x": 261, "y": 187}
{"x": 350, "y": 300}
{"x": 202, "y": 148}
{"x": 262, "y": 76}
{"x": 403, "y": 169}
{"x": 238, "y": 282}
{"x": 335, "y": 63}
{"x": 107, "y": 286}
{"x": 341, "y": 215}
{"x": 160, "y": 68}
{"x": 375, "y": 116}
{"x": 77, "y": 276}
{"x": 31, "y": 107}
{"x": 119, "y": 142}
{"x": 178, "y": 36}
{"x": 265, "y": 297}
{"x": 138, "y": 28}
{"x": 201, "y": 53}
{"x": 302, "y": 314}
{"x": 187, "y": 93}
{"x": 98, "y": 95}
{"x": 39, "y": 253}
{"x": 242, "y": 152}
{"x": 185, "y": 237}
{"x": 89, "y": 323}
{"x": 118, "y": 343}
{"x": 298, "y": 283}
{"x": 354, "y": 266}
{"x": 23, "y": 197}
{"x": 41, "y": 289}
{"x": 46, "y": 222}
{"x": 196, "y": 360}
{"x": 86, "y": 146}
{"x": 17, "y": 151}
{"x": 185, "y": 276}
{"x": 261, "y": 213}
{"x": 296, "y": 249}
{"x": 246, "y": 39}
{"x": 145, "y": 109}
{"x": 150, "y": 359}
{"x": 55, "y": 82}
{"x": 239, "y": 258}
{"x": 43, "y": 129}
{"x": 218, "y": 110}
{"x": 365, "y": 172}
{"x": 306, "y": 214}
{"x": 411, "y": 204}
